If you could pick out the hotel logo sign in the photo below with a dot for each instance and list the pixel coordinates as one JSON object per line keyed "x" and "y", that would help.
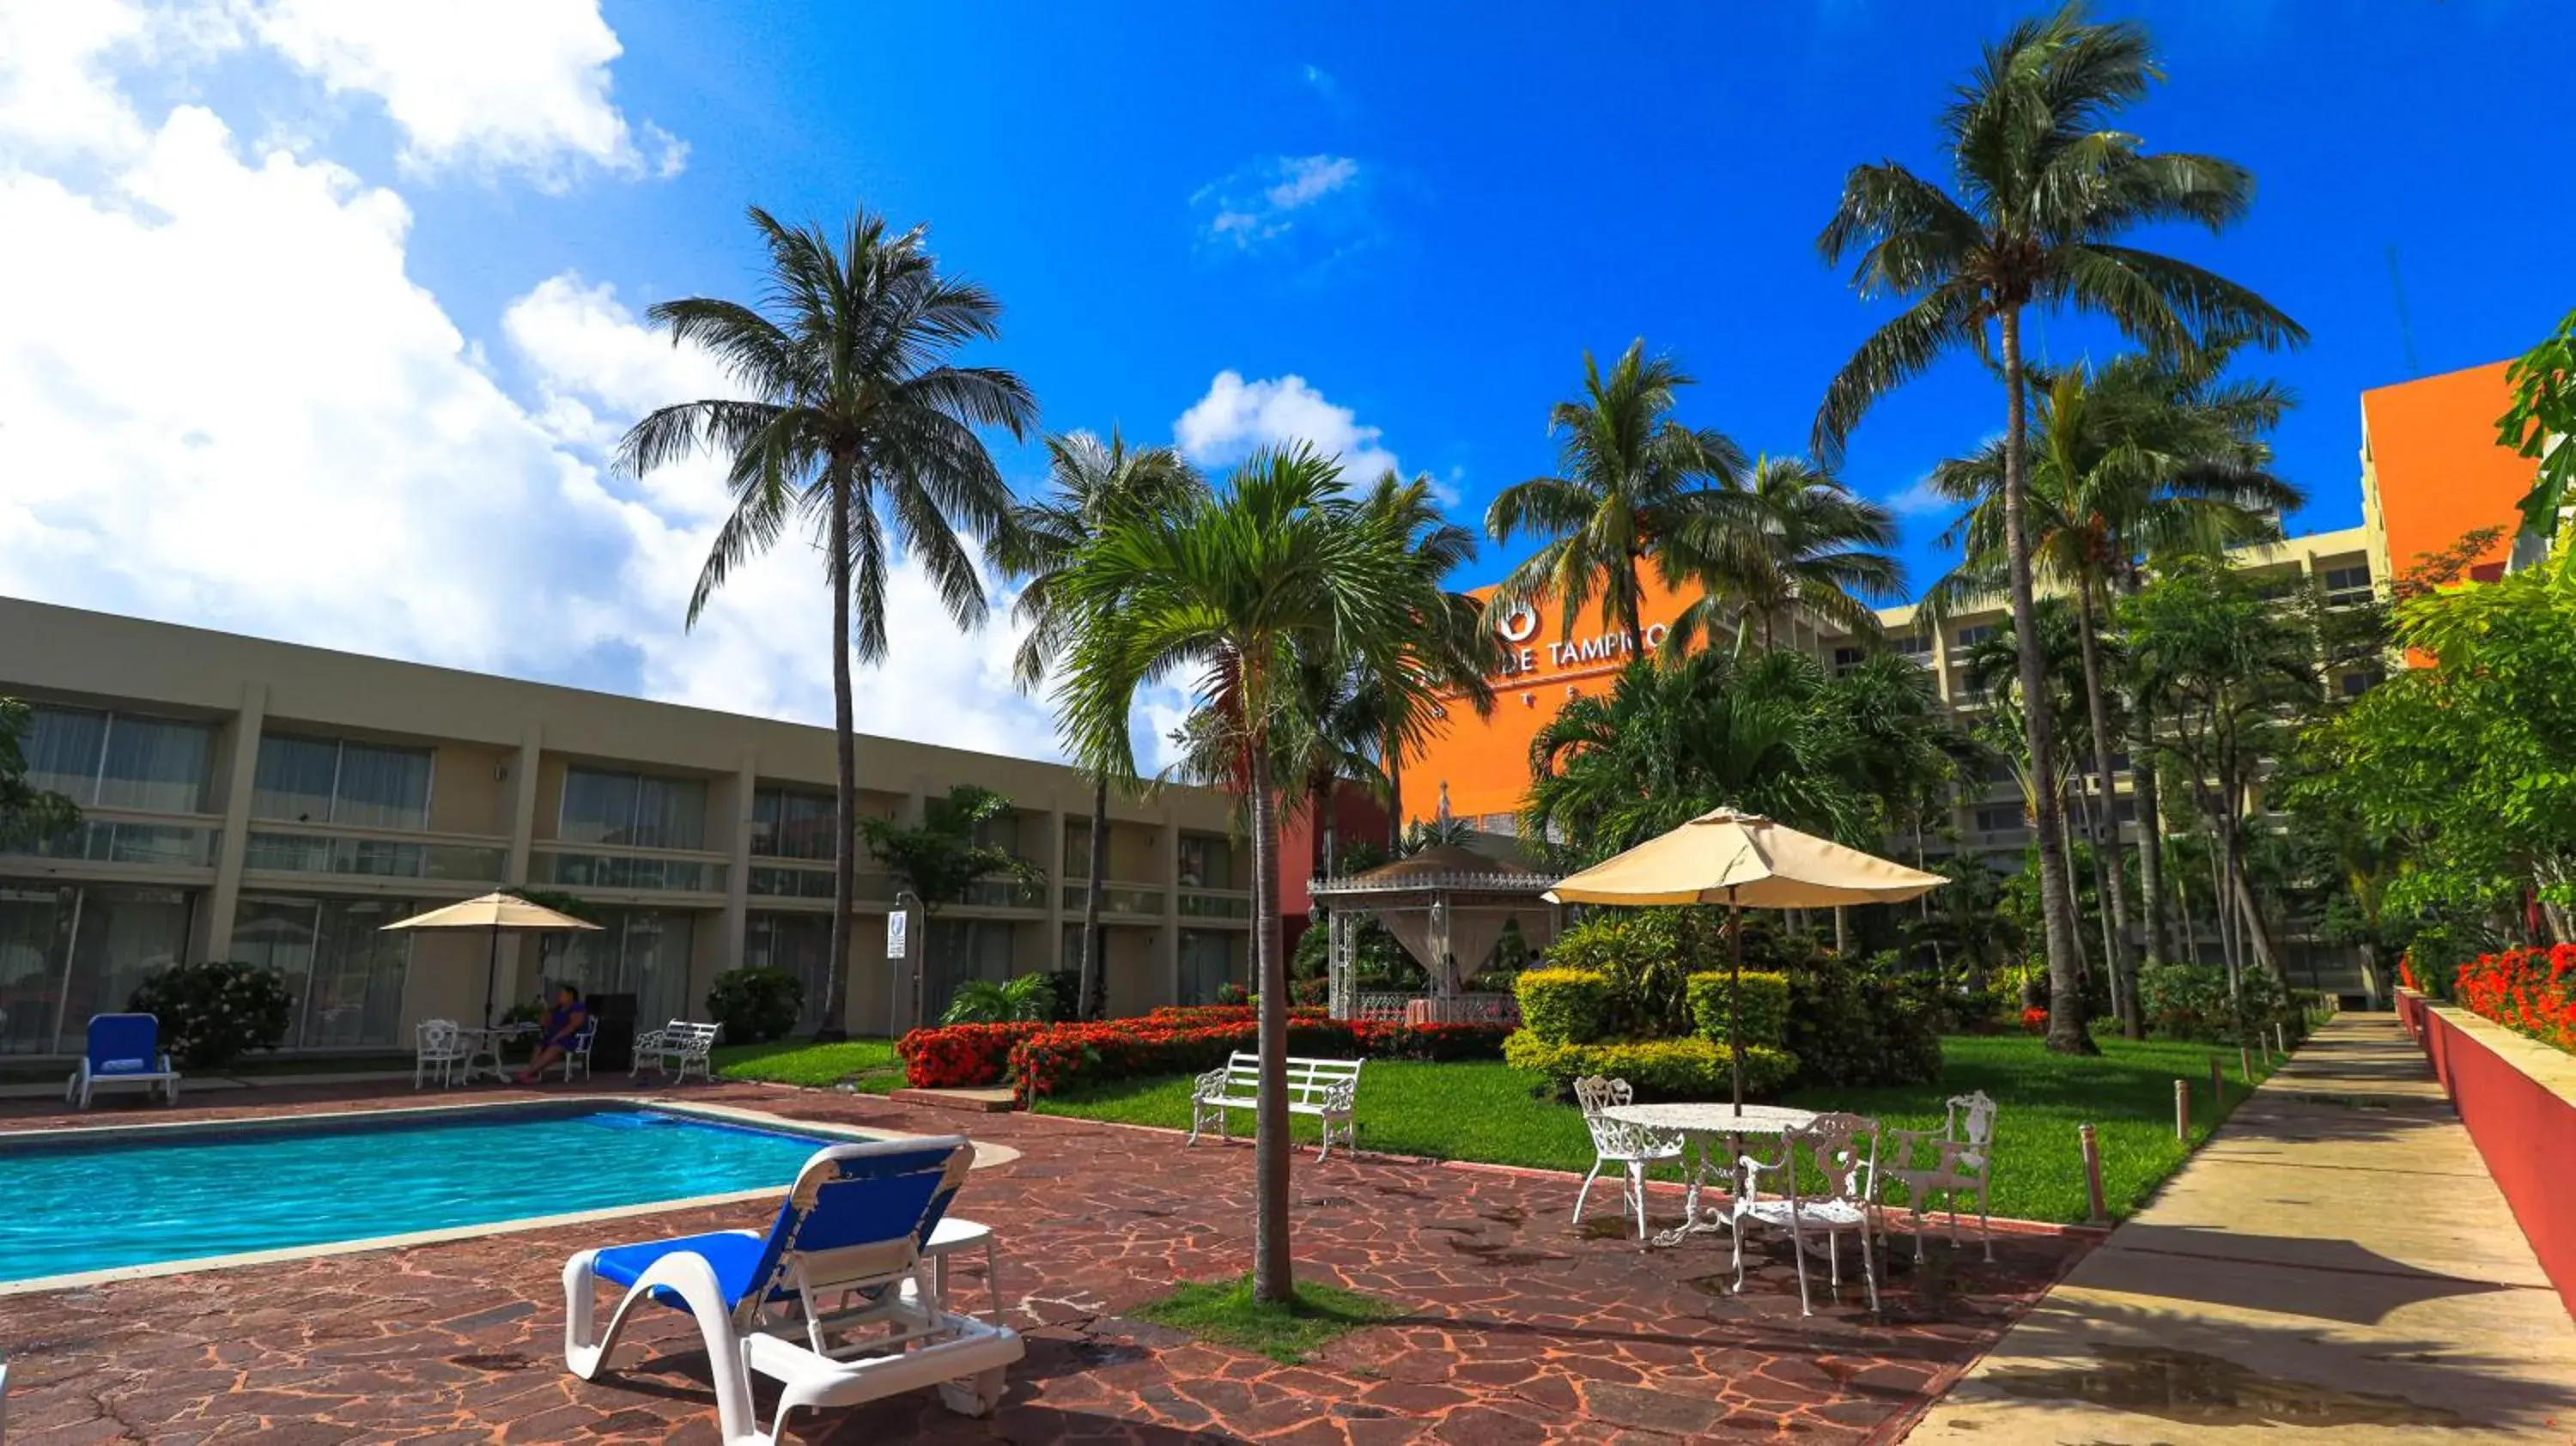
{"x": 1524, "y": 655}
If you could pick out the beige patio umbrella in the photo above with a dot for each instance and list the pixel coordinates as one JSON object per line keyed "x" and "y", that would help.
{"x": 499, "y": 913}
{"x": 1740, "y": 860}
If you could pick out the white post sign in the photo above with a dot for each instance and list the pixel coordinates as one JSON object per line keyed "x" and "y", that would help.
{"x": 896, "y": 923}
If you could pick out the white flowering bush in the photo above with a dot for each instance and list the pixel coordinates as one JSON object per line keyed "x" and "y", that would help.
{"x": 213, "y": 1013}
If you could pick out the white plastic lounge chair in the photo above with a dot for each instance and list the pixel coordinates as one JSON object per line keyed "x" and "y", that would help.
{"x": 123, "y": 1049}
{"x": 836, "y": 1302}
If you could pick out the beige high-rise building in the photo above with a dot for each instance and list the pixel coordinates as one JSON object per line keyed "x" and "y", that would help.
{"x": 267, "y": 802}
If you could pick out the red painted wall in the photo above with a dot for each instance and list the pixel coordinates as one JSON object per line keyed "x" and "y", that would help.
{"x": 1357, "y": 814}
{"x": 2523, "y": 1129}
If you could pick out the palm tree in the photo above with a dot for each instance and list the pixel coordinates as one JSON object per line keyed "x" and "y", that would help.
{"x": 2151, "y": 455}
{"x": 1792, "y": 538}
{"x": 1457, "y": 652}
{"x": 858, "y": 426}
{"x": 1088, "y": 484}
{"x": 1628, "y": 475}
{"x": 2048, "y": 188}
{"x": 1230, "y": 590}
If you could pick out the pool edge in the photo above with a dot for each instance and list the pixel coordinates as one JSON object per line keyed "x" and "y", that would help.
{"x": 986, "y": 1156}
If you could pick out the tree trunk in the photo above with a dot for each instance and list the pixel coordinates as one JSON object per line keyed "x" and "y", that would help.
{"x": 2066, "y": 1034}
{"x": 2151, "y": 851}
{"x": 2221, "y": 865}
{"x": 2106, "y": 832}
{"x": 1271, "y": 1277}
{"x": 1842, "y": 931}
{"x": 1093, "y": 995}
{"x": 2258, "y": 932}
{"x": 2085, "y": 803}
{"x": 845, "y": 764}
{"x": 1394, "y": 802}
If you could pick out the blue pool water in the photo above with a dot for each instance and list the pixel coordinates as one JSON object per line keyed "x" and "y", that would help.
{"x": 185, "y": 1193}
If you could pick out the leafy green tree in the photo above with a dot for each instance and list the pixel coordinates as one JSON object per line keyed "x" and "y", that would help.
{"x": 1227, "y": 593}
{"x": 1791, "y": 539}
{"x": 28, "y": 814}
{"x": 2149, "y": 455}
{"x": 1455, "y": 650}
{"x": 2045, "y": 187}
{"x": 1629, "y": 477}
{"x": 857, "y": 427}
{"x": 1089, "y": 482}
{"x": 942, "y": 857}
{"x": 2538, "y": 424}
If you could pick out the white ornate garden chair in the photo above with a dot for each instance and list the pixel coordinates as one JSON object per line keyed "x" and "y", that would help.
{"x": 1964, "y": 1163}
{"x": 677, "y": 1048}
{"x": 439, "y": 1048}
{"x": 1843, "y": 1151}
{"x": 1633, "y": 1148}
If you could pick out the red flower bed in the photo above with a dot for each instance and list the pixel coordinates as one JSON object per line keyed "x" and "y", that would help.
{"x": 2034, "y": 1021}
{"x": 960, "y": 1056}
{"x": 2529, "y": 990}
{"x": 1203, "y": 1014}
{"x": 1041, "y": 1059}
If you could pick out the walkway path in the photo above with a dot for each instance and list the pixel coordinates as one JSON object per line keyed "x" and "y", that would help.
{"x": 2336, "y": 1262}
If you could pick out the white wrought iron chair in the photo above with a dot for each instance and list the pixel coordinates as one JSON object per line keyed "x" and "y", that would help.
{"x": 577, "y": 1050}
{"x": 1844, "y": 1152}
{"x": 439, "y": 1047}
{"x": 1631, "y": 1147}
{"x": 1965, "y": 1150}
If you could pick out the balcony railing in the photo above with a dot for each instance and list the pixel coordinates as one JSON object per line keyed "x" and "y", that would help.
{"x": 628, "y": 871}
{"x": 1118, "y": 899}
{"x": 1228, "y": 905}
{"x": 1006, "y": 894}
{"x": 374, "y": 858}
{"x": 781, "y": 881}
{"x": 129, "y": 841}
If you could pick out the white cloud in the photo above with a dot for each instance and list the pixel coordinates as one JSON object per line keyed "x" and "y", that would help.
{"x": 1919, "y": 500}
{"x": 225, "y": 401}
{"x": 1237, "y": 417}
{"x": 489, "y": 85}
{"x": 1267, "y": 200}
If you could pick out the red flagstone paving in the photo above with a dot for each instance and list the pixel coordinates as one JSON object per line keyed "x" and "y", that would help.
{"x": 1521, "y": 1327}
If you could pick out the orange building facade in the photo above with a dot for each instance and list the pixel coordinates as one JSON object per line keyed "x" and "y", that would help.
{"x": 2432, "y": 470}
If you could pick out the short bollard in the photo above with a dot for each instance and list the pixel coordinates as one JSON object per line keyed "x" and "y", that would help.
{"x": 2245, "y": 1064}
{"x": 2217, "y": 1090}
{"x": 2280, "y": 1039}
{"x": 2092, "y": 1175}
{"x": 2182, "y": 1110}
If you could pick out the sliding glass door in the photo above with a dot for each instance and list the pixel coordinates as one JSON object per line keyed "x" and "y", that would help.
{"x": 346, "y": 975}
{"x": 70, "y": 952}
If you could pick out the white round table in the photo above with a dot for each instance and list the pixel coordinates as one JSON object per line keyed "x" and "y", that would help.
{"x": 1699, "y": 1124}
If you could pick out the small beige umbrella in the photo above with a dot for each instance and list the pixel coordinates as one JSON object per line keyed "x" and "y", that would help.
{"x": 499, "y": 913}
{"x": 1736, "y": 859}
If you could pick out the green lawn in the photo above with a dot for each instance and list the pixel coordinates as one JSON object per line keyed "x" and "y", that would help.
{"x": 1492, "y": 1113}
{"x": 1224, "y": 1311}
{"x": 869, "y": 1064}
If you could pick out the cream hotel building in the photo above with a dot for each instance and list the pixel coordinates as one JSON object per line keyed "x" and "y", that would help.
{"x": 277, "y": 804}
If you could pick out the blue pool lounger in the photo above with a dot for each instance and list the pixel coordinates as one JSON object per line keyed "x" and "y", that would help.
{"x": 123, "y": 1049}
{"x": 835, "y": 1302}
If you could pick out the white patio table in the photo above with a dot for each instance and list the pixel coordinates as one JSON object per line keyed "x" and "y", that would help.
{"x": 1699, "y": 1124}
{"x": 484, "y": 1049}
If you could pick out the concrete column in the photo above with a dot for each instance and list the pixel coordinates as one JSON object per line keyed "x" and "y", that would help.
{"x": 1167, "y": 870}
{"x": 523, "y": 833}
{"x": 1052, "y": 857}
{"x": 737, "y": 909}
{"x": 241, "y": 778}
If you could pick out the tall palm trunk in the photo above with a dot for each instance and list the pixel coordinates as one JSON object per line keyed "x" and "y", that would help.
{"x": 1394, "y": 800}
{"x": 1092, "y": 996}
{"x": 1271, "y": 1277}
{"x": 2106, "y": 831}
{"x": 2151, "y": 839}
{"x": 2057, "y": 910}
{"x": 845, "y": 762}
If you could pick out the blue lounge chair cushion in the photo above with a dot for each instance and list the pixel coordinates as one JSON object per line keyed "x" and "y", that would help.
{"x": 124, "y": 1044}
{"x": 737, "y": 1260}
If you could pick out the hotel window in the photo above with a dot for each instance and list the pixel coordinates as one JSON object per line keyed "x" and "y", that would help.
{"x": 959, "y": 950}
{"x": 118, "y": 760}
{"x": 801, "y": 944}
{"x": 1845, "y": 659}
{"x": 2000, "y": 818}
{"x": 346, "y": 974}
{"x": 1206, "y": 862}
{"x": 1077, "y": 850}
{"x": 632, "y": 809}
{"x": 1969, "y": 637}
{"x": 1912, "y": 645}
{"x": 330, "y": 780}
{"x": 69, "y": 953}
{"x": 642, "y": 952}
{"x": 790, "y": 823}
{"x": 2356, "y": 684}
{"x": 1209, "y": 961}
{"x": 2347, "y": 585}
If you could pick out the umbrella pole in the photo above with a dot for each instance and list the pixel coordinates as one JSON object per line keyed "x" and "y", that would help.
{"x": 1735, "y": 994}
{"x": 491, "y": 972}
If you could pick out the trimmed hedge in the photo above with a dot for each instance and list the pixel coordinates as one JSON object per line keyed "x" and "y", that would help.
{"x": 1673, "y": 1069}
{"x": 1564, "y": 1006}
{"x": 1040, "y": 1059}
{"x": 1766, "y": 1006}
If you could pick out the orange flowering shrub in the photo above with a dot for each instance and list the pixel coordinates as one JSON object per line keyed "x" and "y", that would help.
{"x": 960, "y": 1056}
{"x": 2034, "y": 1021}
{"x": 2532, "y": 991}
{"x": 1041, "y": 1059}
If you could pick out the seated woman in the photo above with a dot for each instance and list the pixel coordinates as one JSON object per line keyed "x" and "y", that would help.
{"x": 562, "y": 1026}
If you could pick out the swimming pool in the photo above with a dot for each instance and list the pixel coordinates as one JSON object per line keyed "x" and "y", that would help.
{"x": 186, "y": 1192}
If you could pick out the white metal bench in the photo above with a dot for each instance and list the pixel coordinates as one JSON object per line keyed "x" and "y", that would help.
{"x": 1325, "y": 1088}
{"x": 677, "y": 1048}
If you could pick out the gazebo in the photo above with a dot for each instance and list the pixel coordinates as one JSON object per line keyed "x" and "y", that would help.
{"x": 1446, "y": 906}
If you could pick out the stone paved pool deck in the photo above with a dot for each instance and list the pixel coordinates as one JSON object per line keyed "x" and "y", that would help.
{"x": 2335, "y": 1265}
{"x": 1520, "y": 1327}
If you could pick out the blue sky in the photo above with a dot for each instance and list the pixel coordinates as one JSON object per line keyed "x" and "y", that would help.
{"x": 1424, "y": 223}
